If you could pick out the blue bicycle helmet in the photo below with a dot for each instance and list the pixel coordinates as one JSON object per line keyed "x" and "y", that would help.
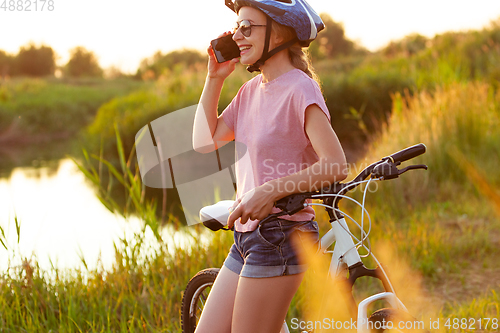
{"x": 296, "y": 14}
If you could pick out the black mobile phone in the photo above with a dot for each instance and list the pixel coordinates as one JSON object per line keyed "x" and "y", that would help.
{"x": 225, "y": 48}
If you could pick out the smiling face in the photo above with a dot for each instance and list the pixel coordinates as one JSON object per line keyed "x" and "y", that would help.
{"x": 251, "y": 47}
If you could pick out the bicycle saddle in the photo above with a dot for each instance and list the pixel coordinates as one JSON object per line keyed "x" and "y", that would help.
{"x": 215, "y": 216}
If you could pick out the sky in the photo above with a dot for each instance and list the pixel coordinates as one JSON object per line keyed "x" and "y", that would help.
{"x": 123, "y": 32}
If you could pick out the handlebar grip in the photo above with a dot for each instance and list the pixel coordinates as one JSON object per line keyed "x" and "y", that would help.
{"x": 408, "y": 153}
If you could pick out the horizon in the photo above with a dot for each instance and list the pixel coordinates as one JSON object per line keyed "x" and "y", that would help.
{"x": 101, "y": 27}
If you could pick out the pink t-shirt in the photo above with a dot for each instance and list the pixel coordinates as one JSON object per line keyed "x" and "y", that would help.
{"x": 268, "y": 118}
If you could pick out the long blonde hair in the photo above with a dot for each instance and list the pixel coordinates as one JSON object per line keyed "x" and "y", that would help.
{"x": 299, "y": 57}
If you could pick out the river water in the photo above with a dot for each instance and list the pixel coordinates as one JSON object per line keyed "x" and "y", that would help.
{"x": 62, "y": 220}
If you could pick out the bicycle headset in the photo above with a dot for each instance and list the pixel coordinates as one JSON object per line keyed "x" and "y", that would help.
{"x": 296, "y": 14}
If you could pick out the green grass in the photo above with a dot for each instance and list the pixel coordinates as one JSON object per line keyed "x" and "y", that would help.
{"x": 50, "y": 106}
{"x": 485, "y": 306}
{"x": 135, "y": 295}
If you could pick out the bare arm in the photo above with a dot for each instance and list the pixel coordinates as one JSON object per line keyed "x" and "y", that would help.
{"x": 331, "y": 167}
{"x": 210, "y": 131}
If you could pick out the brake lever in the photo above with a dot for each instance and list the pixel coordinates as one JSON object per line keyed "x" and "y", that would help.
{"x": 412, "y": 167}
{"x": 291, "y": 204}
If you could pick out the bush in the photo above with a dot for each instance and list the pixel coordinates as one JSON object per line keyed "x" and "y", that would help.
{"x": 33, "y": 61}
{"x": 82, "y": 63}
{"x": 6, "y": 64}
{"x": 153, "y": 68}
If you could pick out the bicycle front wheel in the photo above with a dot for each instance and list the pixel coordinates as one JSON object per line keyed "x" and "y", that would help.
{"x": 195, "y": 297}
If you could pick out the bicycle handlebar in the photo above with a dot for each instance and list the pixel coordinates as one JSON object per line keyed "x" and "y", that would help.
{"x": 408, "y": 153}
{"x": 385, "y": 168}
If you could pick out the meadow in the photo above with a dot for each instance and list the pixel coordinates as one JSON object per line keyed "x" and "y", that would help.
{"x": 437, "y": 231}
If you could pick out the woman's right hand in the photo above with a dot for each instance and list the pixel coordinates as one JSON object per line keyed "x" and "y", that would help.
{"x": 220, "y": 70}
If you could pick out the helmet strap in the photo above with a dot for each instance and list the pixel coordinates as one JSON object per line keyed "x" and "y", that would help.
{"x": 256, "y": 66}
{"x": 266, "y": 54}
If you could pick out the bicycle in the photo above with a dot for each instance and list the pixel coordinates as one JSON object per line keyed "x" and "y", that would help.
{"x": 343, "y": 257}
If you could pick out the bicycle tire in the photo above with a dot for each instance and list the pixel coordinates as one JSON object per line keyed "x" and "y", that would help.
{"x": 382, "y": 316}
{"x": 194, "y": 298}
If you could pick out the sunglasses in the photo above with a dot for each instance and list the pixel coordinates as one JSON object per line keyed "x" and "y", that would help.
{"x": 245, "y": 27}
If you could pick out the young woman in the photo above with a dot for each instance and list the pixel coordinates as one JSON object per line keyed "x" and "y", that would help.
{"x": 281, "y": 118}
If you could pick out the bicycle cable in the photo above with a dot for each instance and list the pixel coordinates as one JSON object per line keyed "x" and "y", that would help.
{"x": 347, "y": 230}
{"x": 371, "y": 253}
{"x": 366, "y": 234}
{"x": 363, "y": 215}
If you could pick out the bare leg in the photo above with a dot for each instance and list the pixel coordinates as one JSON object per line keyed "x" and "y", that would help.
{"x": 261, "y": 304}
{"x": 216, "y": 316}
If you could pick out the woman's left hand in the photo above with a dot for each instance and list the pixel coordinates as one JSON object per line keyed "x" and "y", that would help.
{"x": 254, "y": 205}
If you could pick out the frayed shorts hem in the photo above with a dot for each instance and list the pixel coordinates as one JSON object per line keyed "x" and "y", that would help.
{"x": 262, "y": 271}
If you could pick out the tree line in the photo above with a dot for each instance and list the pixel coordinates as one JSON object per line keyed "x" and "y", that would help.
{"x": 37, "y": 61}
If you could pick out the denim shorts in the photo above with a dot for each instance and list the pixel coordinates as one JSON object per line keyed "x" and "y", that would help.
{"x": 267, "y": 251}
